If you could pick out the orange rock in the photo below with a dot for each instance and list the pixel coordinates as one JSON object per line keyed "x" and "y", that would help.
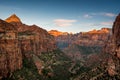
{"x": 13, "y": 18}
{"x": 57, "y": 33}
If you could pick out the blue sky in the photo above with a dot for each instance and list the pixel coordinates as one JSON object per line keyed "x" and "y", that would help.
{"x": 63, "y": 15}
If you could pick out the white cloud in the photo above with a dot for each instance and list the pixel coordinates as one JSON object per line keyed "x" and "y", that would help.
{"x": 107, "y": 23}
{"x": 109, "y": 14}
{"x": 100, "y": 14}
{"x": 87, "y": 16}
{"x": 64, "y": 22}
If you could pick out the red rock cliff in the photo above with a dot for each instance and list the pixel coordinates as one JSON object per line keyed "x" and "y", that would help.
{"x": 33, "y": 39}
{"x": 10, "y": 54}
{"x": 114, "y": 49}
{"x": 116, "y": 35}
{"x": 18, "y": 40}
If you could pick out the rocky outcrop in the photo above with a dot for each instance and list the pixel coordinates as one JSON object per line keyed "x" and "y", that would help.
{"x": 91, "y": 38}
{"x": 116, "y": 35}
{"x": 95, "y": 37}
{"x": 109, "y": 66}
{"x": 19, "y": 41}
{"x": 57, "y": 33}
{"x": 13, "y": 18}
{"x": 10, "y": 53}
{"x": 102, "y": 30}
{"x": 114, "y": 60}
{"x": 35, "y": 40}
{"x": 76, "y": 45}
{"x": 32, "y": 39}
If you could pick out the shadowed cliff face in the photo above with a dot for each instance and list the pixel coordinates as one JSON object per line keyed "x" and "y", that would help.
{"x": 116, "y": 35}
{"x": 10, "y": 53}
{"x": 19, "y": 41}
{"x": 33, "y": 39}
{"x": 21, "y": 47}
{"x": 114, "y": 60}
{"x": 109, "y": 67}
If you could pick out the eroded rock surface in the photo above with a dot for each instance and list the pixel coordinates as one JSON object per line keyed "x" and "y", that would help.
{"x": 19, "y": 41}
{"x": 10, "y": 53}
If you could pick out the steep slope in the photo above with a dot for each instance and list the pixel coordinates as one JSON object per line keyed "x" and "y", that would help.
{"x": 19, "y": 42}
{"x": 10, "y": 53}
{"x": 33, "y": 39}
{"x": 114, "y": 60}
{"x": 54, "y": 64}
{"x": 30, "y": 53}
{"x": 109, "y": 68}
{"x": 116, "y": 35}
{"x": 13, "y": 18}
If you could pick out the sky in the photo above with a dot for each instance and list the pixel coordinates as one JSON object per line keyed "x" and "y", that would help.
{"x": 63, "y": 15}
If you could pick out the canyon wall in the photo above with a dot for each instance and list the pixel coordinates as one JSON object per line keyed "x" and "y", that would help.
{"x": 10, "y": 53}
{"x": 33, "y": 39}
{"x": 116, "y": 35}
{"x": 19, "y": 41}
{"x": 114, "y": 49}
{"x": 81, "y": 44}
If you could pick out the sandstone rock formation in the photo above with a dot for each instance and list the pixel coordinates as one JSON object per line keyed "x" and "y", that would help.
{"x": 19, "y": 41}
{"x": 33, "y": 39}
{"x": 76, "y": 45}
{"x": 114, "y": 60}
{"x": 109, "y": 67}
{"x": 91, "y": 38}
{"x": 13, "y": 18}
{"x": 10, "y": 53}
{"x": 57, "y": 33}
{"x": 116, "y": 35}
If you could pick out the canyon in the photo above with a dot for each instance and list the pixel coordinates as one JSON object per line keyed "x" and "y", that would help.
{"x": 109, "y": 67}
{"x": 82, "y": 44}
{"x": 30, "y": 52}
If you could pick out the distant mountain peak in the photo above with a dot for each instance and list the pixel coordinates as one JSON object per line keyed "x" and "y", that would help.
{"x": 57, "y": 33}
{"x": 102, "y": 30}
{"x": 13, "y": 18}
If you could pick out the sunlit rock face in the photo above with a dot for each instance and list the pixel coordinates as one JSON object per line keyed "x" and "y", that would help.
{"x": 13, "y": 18}
{"x": 109, "y": 66}
{"x": 90, "y": 38}
{"x": 76, "y": 45}
{"x": 95, "y": 37}
{"x": 57, "y": 33}
{"x": 18, "y": 41}
{"x": 33, "y": 39}
{"x": 10, "y": 53}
